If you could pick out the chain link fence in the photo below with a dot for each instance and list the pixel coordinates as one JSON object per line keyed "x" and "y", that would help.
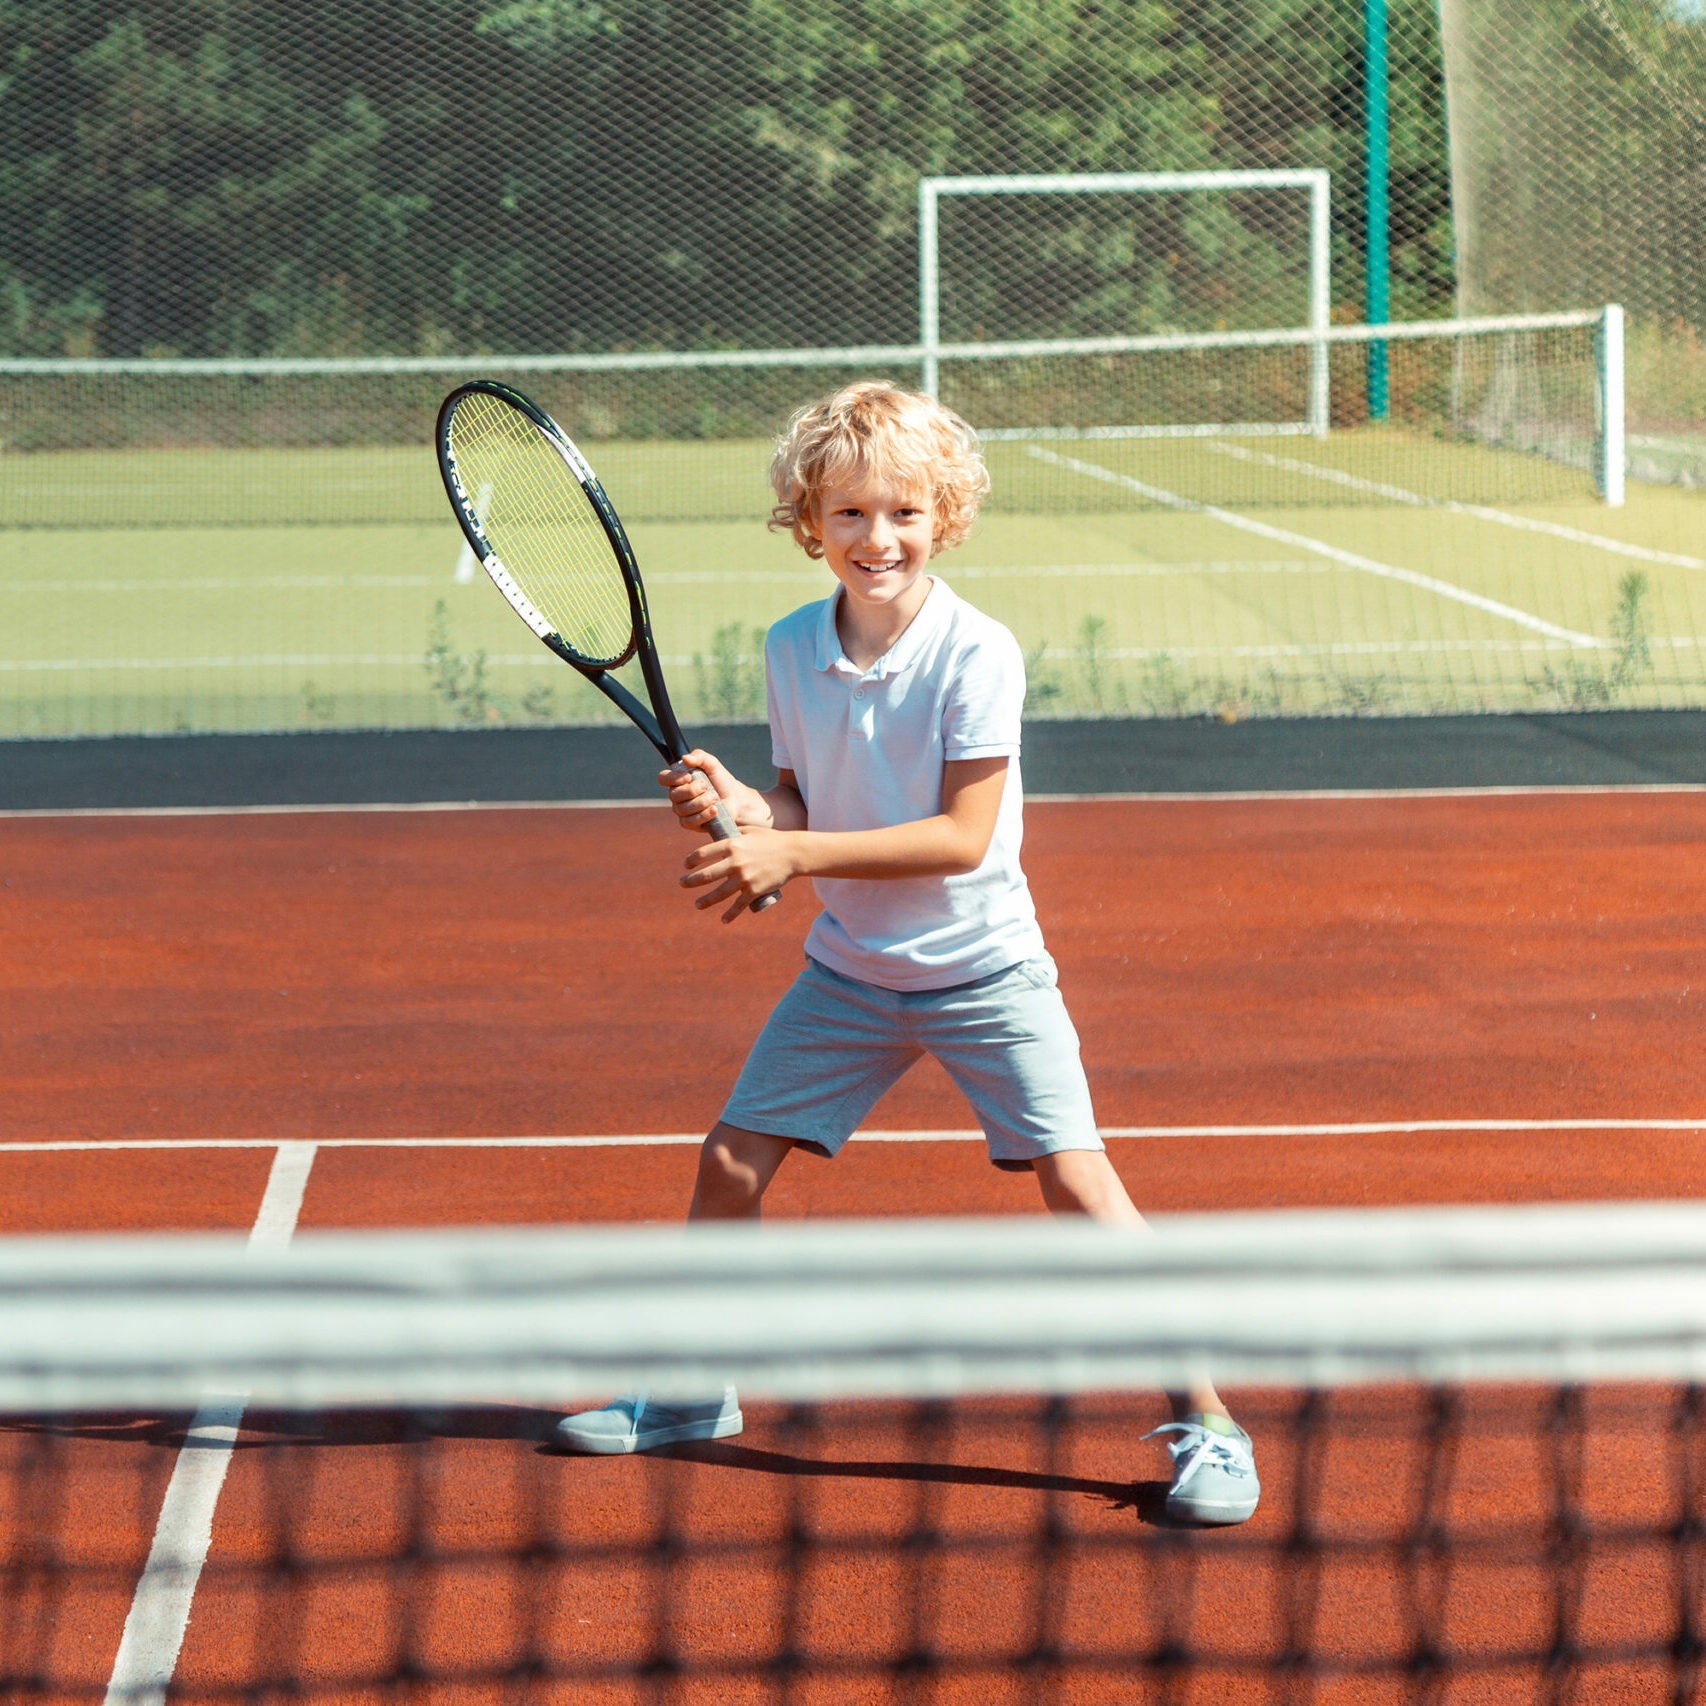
{"x": 637, "y": 187}
{"x": 1578, "y": 170}
{"x": 366, "y": 177}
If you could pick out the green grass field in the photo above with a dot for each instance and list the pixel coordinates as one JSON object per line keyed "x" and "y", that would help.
{"x": 1363, "y": 573}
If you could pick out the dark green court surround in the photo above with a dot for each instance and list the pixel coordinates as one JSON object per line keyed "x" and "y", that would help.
{"x": 1580, "y": 750}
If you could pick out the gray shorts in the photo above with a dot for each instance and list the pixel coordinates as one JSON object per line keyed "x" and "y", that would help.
{"x": 833, "y": 1045}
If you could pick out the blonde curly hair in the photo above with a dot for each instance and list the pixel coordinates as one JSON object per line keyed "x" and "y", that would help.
{"x": 875, "y": 430}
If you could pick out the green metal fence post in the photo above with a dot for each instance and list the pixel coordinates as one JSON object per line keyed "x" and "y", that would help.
{"x": 1377, "y": 251}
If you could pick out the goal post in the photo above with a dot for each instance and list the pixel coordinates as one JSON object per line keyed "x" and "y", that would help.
{"x": 1315, "y": 182}
{"x": 1613, "y": 452}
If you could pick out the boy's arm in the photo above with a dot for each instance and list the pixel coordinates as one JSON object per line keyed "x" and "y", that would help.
{"x": 787, "y": 804}
{"x": 953, "y": 841}
{"x": 780, "y": 807}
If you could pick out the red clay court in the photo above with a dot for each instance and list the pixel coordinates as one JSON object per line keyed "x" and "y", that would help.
{"x": 506, "y": 1016}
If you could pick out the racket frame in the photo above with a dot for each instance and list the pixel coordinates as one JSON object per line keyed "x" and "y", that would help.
{"x": 658, "y": 721}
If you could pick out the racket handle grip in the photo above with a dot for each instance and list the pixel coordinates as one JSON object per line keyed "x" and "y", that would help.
{"x": 723, "y": 827}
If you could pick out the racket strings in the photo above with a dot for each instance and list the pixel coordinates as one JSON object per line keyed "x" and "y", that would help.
{"x": 538, "y": 519}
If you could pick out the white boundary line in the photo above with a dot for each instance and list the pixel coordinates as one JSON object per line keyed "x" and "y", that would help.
{"x": 655, "y": 1140}
{"x": 280, "y": 660}
{"x": 1688, "y": 447}
{"x": 329, "y": 810}
{"x": 1482, "y": 512}
{"x": 806, "y": 578}
{"x": 224, "y": 583}
{"x": 1317, "y": 547}
{"x": 1515, "y": 790}
{"x": 1328, "y": 649}
{"x": 160, "y": 1609}
{"x": 640, "y": 803}
{"x": 269, "y": 660}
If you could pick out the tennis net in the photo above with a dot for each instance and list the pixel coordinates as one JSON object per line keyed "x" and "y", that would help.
{"x": 1480, "y": 1436}
{"x": 1525, "y": 408}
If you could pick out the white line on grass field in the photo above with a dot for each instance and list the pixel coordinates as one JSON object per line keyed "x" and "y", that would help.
{"x": 1482, "y": 512}
{"x": 1115, "y": 571}
{"x": 220, "y": 583}
{"x": 681, "y": 1139}
{"x": 1316, "y": 547}
{"x": 1689, "y": 446}
{"x": 537, "y": 659}
{"x": 810, "y": 576}
{"x": 160, "y": 1610}
{"x": 276, "y": 660}
{"x": 467, "y": 564}
{"x": 807, "y": 576}
{"x": 1327, "y": 649}
{"x": 1359, "y": 648}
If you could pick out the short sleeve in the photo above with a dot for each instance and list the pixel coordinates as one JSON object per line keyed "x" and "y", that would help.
{"x": 983, "y": 708}
{"x": 779, "y": 753}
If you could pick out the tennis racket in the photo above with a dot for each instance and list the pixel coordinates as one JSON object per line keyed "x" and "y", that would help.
{"x": 536, "y": 516}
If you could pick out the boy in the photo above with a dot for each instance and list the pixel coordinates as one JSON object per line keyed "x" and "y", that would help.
{"x": 894, "y": 716}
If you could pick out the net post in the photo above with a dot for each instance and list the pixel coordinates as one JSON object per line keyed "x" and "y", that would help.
{"x": 1320, "y": 297}
{"x": 929, "y": 298}
{"x": 1609, "y": 352}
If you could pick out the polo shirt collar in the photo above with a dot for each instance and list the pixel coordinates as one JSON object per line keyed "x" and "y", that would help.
{"x": 933, "y": 615}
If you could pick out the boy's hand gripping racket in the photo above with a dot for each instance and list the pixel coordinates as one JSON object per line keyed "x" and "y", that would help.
{"x": 536, "y": 516}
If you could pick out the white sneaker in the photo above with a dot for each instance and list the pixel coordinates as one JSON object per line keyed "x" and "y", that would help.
{"x": 635, "y": 1422}
{"x": 1214, "y": 1470}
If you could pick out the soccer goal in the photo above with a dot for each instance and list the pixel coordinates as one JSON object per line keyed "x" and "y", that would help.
{"x": 1114, "y": 262}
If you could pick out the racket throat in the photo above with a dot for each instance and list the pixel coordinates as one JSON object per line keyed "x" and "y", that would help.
{"x": 648, "y": 725}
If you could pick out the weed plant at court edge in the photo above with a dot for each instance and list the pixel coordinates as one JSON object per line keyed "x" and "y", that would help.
{"x": 731, "y": 680}
{"x": 459, "y": 682}
{"x": 1585, "y": 687}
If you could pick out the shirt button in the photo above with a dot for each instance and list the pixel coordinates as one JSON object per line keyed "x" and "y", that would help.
{"x": 859, "y": 693}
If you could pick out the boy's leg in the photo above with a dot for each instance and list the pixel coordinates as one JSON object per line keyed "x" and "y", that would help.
{"x": 735, "y": 1170}
{"x": 735, "y": 1167}
{"x": 1083, "y": 1181}
{"x": 1214, "y": 1474}
{"x": 825, "y": 1055}
{"x": 1010, "y": 1045}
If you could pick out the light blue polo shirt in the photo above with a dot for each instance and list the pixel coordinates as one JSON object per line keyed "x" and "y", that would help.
{"x": 867, "y": 749}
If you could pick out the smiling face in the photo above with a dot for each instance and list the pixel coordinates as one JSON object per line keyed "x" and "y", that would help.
{"x": 877, "y": 539}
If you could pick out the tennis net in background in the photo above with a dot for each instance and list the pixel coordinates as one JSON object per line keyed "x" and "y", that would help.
{"x": 1524, "y": 404}
{"x": 1480, "y": 1436}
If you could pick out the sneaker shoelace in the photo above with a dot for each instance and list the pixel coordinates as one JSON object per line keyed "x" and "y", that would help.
{"x": 1202, "y": 1446}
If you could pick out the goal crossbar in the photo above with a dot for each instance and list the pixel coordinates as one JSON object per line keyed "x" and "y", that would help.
{"x": 1316, "y": 181}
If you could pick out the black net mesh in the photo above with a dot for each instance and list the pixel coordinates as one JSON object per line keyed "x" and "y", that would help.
{"x": 332, "y": 1472}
